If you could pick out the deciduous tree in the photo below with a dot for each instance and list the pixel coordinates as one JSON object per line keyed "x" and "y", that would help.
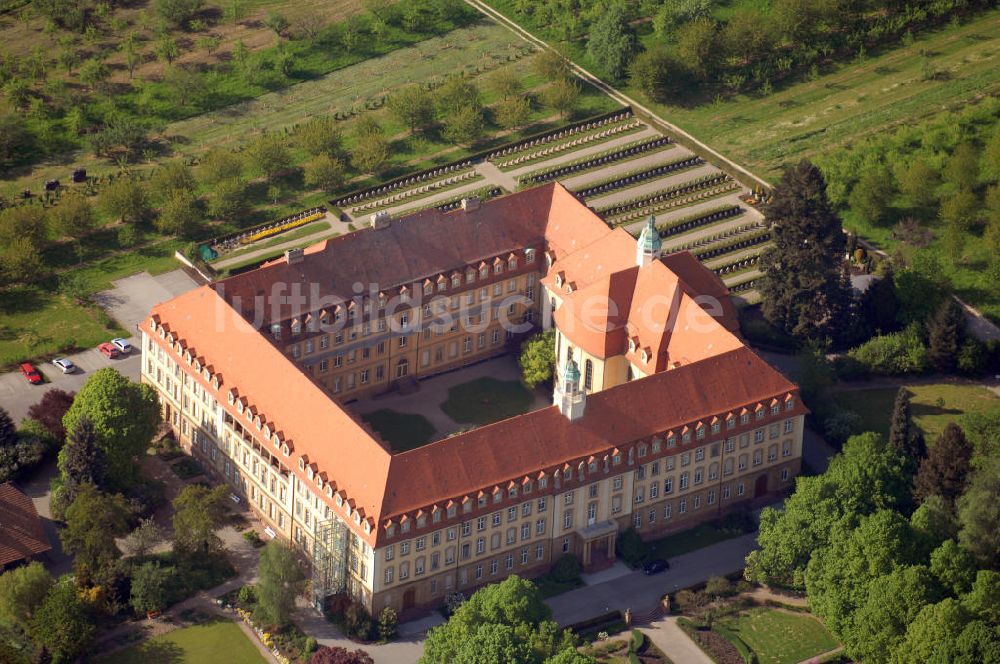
{"x": 150, "y": 583}
{"x": 962, "y": 167}
{"x": 612, "y": 41}
{"x": 538, "y": 357}
{"x": 181, "y": 215}
{"x": 269, "y": 155}
{"x": 125, "y": 199}
{"x": 954, "y": 567}
{"x": 872, "y": 193}
{"x": 465, "y": 125}
{"x": 979, "y": 514}
{"x": 320, "y": 136}
{"x": 281, "y": 581}
{"x": 61, "y": 624}
{"x": 93, "y": 521}
{"x": 550, "y": 65}
{"x": 143, "y": 538}
{"x": 513, "y": 112}
{"x": 561, "y": 95}
{"x": 324, "y": 172}
{"x": 22, "y": 591}
{"x": 73, "y": 217}
{"x": 198, "y": 513}
{"x": 414, "y": 107}
{"x": 125, "y": 416}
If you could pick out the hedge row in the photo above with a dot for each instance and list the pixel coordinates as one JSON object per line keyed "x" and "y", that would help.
{"x": 697, "y": 220}
{"x": 735, "y": 245}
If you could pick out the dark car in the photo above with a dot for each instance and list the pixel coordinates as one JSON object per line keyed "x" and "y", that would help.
{"x": 655, "y": 566}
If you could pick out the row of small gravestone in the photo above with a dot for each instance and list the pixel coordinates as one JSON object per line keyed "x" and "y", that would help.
{"x": 732, "y": 232}
{"x": 229, "y": 242}
{"x": 386, "y": 188}
{"x": 409, "y": 193}
{"x": 455, "y": 204}
{"x": 702, "y": 221}
{"x": 599, "y": 160}
{"x": 557, "y": 135}
{"x": 738, "y": 265}
{"x": 639, "y": 177}
{"x": 749, "y": 242}
{"x": 677, "y": 202}
{"x": 740, "y": 287}
{"x": 665, "y": 194}
{"x": 569, "y": 145}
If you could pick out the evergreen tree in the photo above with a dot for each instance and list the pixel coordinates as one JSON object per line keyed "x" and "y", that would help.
{"x": 905, "y": 438}
{"x": 945, "y": 470}
{"x": 880, "y": 304}
{"x": 945, "y": 332}
{"x": 803, "y": 287}
{"x": 8, "y": 434}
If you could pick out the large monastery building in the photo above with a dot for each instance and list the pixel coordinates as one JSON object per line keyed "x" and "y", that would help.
{"x": 661, "y": 418}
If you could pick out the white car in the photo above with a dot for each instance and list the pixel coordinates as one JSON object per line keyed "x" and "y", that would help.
{"x": 123, "y": 345}
{"x": 65, "y": 365}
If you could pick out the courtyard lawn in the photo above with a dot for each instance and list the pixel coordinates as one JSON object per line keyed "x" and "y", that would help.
{"x": 933, "y": 406}
{"x": 781, "y": 637}
{"x": 403, "y": 431}
{"x": 211, "y": 642}
{"x": 486, "y": 400}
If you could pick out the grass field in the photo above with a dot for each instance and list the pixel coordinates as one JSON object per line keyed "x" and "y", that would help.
{"x": 403, "y": 431}
{"x": 486, "y": 400}
{"x": 781, "y": 637}
{"x": 850, "y": 101}
{"x": 932, "y": 406}
{"x": 209, "y": 643}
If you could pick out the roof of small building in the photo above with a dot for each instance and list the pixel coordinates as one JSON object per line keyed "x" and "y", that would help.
{"x": 22, "y": 534}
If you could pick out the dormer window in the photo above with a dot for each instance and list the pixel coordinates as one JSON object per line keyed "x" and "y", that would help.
{"x": 285, "y": 450}
{"x": 731, "y": 422}
{"x": 368, "y": 528}
{"x": 559, "y": 280}
{"x": 529, "y": 255}
{"x": 456, "y": 281}
{"x": 339, "y": 500}
{"x": 671, "y": 440}
{"x": 276, "y": 330}
{"x": 421, "y": 521}
{"x": 302, "y": 463}
{"x": 232, "y": 397}
{"x": 686, "y": 436}
{"x": 512, "y": 263}
{"x": 497, "y": 266}
{"x": 296, "y": 327}
{"x": 329, "y": 491}
{"x": 700, "y": 431}
{"x": 789, "y": 403}
{"x": 390, "y": 530}
{"x": 309, "y": 472}
{"x": 645, "y": 355}
{"x": 642, "y": 451}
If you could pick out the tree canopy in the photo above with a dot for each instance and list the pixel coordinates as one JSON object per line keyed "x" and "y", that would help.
{"x": 125, "y": 416}
{"x": 803, "y": 287}
{"x": 281, "y": 581}
{"x": 538, "y": 358}
{"x": 503, "y": 622}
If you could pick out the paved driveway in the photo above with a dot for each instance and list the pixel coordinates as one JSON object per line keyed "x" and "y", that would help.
{"x": 128, "y": 303}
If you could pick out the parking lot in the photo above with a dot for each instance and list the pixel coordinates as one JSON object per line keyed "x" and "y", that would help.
{"x": 129, "y": 302}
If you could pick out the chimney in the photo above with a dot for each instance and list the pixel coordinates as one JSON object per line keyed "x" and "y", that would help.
{"x": 293, "y": 256}
{"x": 381, "y": 220}
{"x": 470, "y": 204}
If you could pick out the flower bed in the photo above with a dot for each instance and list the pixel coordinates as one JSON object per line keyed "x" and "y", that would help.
{"x": 650, "y": 146}
{"x": 295, "y": 222}
{"x": 715, "y": 645}
{"x": 226, "y": 243}
{"x": 637, "y": 177}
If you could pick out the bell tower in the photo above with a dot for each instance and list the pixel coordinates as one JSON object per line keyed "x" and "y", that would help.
{"x": 649, "y": 247}
{"x": 572, "y": 401}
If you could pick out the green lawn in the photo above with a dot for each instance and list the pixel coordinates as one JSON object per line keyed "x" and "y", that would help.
{"x": 781, "y": 637}
{"x": 38, "y": 322}
{"x": 209, "y": 643}
{"x": 700, "y": 536}
{"x": 849, "y": 101}
{"x": 933, "y": 406}
{"x": 403, "y": 431}
{"x": 486, "y": 400}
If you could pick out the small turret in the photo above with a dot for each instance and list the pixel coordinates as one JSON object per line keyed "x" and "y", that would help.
{"x": 572, "y": 401}
{"x": 649, "y": 246}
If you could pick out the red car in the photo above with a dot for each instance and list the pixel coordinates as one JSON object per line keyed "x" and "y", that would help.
{"x": 31, "y": 373}
{"x": 109, "y": 349}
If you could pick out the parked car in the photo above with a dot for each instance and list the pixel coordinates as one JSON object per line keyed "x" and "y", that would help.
{"x": 65, "y": 365}
{"x": 122, "y": 345}
{"x": 109, "y": 349}
{"x": 655, "y": 566}
{"x": 31, "y": 374}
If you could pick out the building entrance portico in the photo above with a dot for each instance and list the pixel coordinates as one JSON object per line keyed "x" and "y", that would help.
{"x": 598, "y": 545}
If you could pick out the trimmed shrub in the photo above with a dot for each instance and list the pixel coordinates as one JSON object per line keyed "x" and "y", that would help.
{"x": 893, "y": 354}
{"x": 637, "y": 641}
{"x": 567, "y": 569}
{"x": 631, "y": 548}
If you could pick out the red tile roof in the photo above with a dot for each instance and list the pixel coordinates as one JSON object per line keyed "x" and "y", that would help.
{"x": 716, "y": 373}
{"x": 615, "y": 417}
{"x": 21, "y": 532}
